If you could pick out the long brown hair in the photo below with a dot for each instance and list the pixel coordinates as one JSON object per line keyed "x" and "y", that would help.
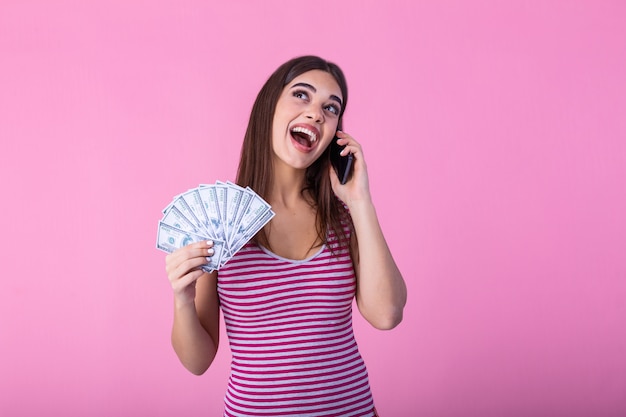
{"x": 255, "y": 165}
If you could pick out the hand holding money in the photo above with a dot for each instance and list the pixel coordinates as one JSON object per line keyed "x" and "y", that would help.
{"x": 224, "y": 213}
{"x": 184, "y": 267}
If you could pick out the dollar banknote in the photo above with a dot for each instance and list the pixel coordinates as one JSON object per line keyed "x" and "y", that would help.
{"x": 224, "y": 212}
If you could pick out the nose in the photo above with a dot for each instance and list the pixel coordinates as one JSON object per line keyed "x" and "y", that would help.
{"x": 314, "y": 112}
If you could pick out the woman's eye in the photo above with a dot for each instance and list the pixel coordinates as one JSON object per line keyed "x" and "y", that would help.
{"x": 300, "y": 94}
{"x": 333, "y": 109}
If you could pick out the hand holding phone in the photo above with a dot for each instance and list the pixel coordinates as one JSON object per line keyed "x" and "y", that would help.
{"x": 342, "y": 164}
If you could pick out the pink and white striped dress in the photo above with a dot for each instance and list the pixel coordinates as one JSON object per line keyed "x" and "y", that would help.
{"x": 289, "y": 324}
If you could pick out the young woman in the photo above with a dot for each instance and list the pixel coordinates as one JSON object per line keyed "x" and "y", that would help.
{"x": 287, "y": 295}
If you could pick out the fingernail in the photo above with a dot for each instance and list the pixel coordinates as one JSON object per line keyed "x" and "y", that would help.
{"x": 211, "y": 251}
{"x": 209, "y": 242}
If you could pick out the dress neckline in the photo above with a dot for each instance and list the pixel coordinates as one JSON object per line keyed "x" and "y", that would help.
{"x": 293, "y": 261}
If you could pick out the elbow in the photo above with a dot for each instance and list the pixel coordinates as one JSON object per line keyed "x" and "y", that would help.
{"x": 195, "y": 362}
{"x": 387, "y": 321}
{"x": 196, "y": 368}
{"x": 195, "y": 357}
{"x": 384, "y": 316}
{"x": 197, "y": 371}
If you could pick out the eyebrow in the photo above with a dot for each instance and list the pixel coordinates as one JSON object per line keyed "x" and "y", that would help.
{"x": 310, "y": 87}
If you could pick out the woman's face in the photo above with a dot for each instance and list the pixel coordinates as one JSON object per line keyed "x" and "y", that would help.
{"x": 306, "y": 117}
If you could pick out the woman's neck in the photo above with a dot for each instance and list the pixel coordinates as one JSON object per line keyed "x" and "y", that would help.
{"x": 287, "y": 186}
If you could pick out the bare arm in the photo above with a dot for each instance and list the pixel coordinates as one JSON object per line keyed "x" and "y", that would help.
{"x": 381, "y": 290}
{"x": 195, "y": 330}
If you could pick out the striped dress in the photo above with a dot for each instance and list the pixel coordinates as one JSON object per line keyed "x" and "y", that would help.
{"x": 289, "y": 325}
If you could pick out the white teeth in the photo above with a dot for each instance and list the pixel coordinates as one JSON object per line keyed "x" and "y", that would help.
{"x": 310, "y": 134}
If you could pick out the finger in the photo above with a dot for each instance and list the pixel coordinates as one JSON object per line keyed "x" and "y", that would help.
{"x": 347, "y": 150}
{"x": 352, "y": 148}
{"x": 202, "y": 252}
{"x": 185, "y": 267}
{"x": 196, "y": 245}
{"x": 191, "y": 258}
{"x": 342, "y": 135}
{"x": 345, "y": 138}
{"x": 197, "y": 249}
{"x": 189, "y": 279}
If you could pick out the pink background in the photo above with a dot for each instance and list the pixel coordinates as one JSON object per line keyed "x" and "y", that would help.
{"x": 495, "y": 138}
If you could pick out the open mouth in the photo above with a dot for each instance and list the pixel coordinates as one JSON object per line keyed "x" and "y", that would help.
{"x": 304, "y": 136}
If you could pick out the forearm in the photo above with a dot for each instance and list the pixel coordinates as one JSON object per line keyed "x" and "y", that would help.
{"x": 381, "y": 291}
{"x": 192, "y": 343}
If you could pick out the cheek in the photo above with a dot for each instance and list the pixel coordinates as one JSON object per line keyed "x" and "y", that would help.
{"x": 278, "y": 128}
{"x": 328, "y": 137}
{"x": 335, "y": 125}
{"x": 326, "y": 142}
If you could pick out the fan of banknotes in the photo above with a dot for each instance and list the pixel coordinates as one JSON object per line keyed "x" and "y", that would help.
{"x": 223, "y": 212}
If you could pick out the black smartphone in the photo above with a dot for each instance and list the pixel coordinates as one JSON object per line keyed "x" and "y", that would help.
{"x": 342, "y": 164}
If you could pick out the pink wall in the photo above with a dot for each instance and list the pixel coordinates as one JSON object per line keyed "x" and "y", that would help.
{"x": 494, "y": 133}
